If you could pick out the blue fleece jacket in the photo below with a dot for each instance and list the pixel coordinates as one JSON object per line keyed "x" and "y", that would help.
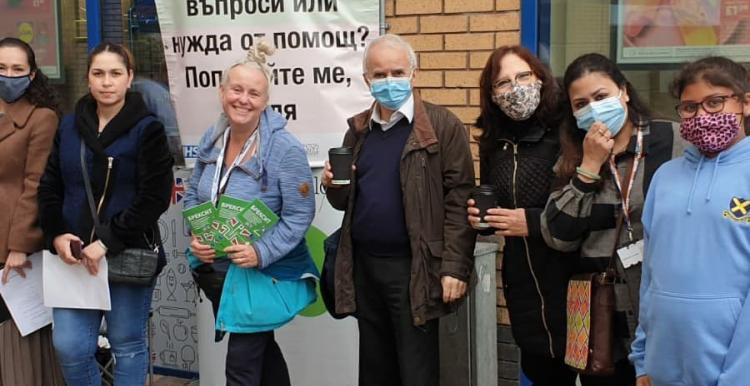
{"x": 694, "y": 322}
{"x": 280, "y": 176}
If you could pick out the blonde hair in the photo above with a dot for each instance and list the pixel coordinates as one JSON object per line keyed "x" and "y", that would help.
{"x": 256, "y": 58}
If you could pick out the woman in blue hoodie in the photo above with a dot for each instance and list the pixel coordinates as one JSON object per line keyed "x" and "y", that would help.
{"x": 694, "y": 321}
{"x": 248, "y": 154}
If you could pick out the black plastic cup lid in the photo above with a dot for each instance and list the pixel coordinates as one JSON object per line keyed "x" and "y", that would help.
{"x": 340, "y": 150}
{"x": 485, "y": 189}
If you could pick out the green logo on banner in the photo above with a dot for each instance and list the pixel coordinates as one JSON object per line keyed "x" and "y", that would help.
{"x": 315, "y": 238}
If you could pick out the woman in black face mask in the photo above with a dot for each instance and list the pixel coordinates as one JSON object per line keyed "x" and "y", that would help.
{"x": 518, "y": 148}
{"x": 28, "y": 121}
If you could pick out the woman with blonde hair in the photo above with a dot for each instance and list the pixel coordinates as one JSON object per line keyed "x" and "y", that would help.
{"x": 248, "y": 154}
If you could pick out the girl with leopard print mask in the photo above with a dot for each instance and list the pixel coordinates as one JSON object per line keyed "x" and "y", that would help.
{"x": 696, "y": 268}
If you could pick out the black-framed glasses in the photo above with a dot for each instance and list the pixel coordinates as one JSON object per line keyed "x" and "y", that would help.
{"x": 711, "y": 105}
{"x": 524, "y": 77}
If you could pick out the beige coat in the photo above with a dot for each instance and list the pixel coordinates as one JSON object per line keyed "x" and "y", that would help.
{"x": 26, "y": 136}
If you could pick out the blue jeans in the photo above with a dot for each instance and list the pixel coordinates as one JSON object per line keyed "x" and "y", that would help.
{"x": 76, "y": 332}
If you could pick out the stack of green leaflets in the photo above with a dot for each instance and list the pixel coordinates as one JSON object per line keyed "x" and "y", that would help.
{"x": 199, "y": 218}
{"x": 232, "y": 222}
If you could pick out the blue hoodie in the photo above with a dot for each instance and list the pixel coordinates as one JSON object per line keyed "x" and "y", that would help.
{"x": 694, "y": 323}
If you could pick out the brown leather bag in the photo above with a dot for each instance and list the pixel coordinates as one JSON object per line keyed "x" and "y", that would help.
{"x": 590, "y": 316}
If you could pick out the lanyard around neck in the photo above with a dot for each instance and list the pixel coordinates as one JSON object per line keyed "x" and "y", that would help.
{"x": 219, "y": 181}
{"x": 625, "y": 195}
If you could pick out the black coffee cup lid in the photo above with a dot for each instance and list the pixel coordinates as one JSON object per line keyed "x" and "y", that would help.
{"x": 340, "y": 150}
{"x": 486, "y": 189}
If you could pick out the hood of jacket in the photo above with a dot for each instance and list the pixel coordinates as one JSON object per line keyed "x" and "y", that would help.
{"x": 739, "y": 152}
{"x": 87, "y": 121}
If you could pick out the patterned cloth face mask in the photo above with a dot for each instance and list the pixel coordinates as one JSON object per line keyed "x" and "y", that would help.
{"x": 710, "y": 133}
{"x": 520, "y": 102}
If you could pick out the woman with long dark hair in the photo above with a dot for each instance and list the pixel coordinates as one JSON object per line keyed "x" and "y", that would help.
{"x": 28, "y": 121}
{"x": 518, "y": 148}
{"x": 122, "y": 149}
{"x": 611, "y": 148}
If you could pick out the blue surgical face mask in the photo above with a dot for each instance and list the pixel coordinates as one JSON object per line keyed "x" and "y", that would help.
{"x": 609, "y": 111}
{"x": 12, "y": 88}
{"x": 391, "y": 92}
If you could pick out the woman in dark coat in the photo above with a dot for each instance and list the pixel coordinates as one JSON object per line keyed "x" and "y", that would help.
{"x": 518, "y": 148}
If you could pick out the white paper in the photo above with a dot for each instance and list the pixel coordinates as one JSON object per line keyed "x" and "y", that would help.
{"x": 25, "y": 299}
{"x": 632, "y": 254}
{"x": 72, "y": 286}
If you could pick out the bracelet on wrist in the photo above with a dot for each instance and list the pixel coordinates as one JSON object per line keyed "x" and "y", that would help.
{"x": 585, "y": 173}
{"x": 101, "y": 244}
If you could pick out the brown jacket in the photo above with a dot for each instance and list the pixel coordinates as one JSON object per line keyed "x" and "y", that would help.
{"x": 26, "y": 136}
{"x": 437, "y": 176}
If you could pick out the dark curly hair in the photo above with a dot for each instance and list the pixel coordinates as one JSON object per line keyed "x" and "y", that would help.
{"x": 40, "y": 93}
{"x": 571, "y": 137}
{"x": 492, "y": 120}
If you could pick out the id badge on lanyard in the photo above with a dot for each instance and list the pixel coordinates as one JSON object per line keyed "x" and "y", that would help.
{"x": 632, "y": 253}
{"x": 625, "y": 195}
{"x": 220, "y": 182}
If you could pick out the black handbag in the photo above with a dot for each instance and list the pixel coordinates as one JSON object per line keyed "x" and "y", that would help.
{"x": 135, "y": 266}
{"x": 328, "y": 274}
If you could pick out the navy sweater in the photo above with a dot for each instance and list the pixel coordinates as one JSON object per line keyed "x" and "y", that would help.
{"x": 379, "y": 226}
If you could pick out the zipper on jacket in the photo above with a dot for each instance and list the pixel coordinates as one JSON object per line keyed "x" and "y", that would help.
{"x": 110, "y": 160}
{"x": 526, "y": 250}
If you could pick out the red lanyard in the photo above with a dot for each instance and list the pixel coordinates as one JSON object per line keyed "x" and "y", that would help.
{"x": 625, "y": 196}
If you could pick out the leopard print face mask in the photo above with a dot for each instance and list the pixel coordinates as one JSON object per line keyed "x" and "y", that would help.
{"x": 710, "y": 133}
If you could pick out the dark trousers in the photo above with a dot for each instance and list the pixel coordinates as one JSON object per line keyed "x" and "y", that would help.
{"x": 255, "y": 360}
{"x": 624, "y": 376}
{"x": 546, "y": 371}
{"x": 392, "y": 351}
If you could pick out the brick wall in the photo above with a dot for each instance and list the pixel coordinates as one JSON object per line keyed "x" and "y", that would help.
{"x": 453, "y": 39}
{"x": 112, "y": 21}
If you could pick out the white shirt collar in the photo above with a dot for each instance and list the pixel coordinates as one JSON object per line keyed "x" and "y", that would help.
{"x": 405, "y": 111}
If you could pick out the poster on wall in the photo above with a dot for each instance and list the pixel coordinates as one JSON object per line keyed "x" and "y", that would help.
{"x": 317, "y": 66}
{"x": 677, "y": 31}
{"x": 36, "y": 23}
{"x": 174, "y": 327}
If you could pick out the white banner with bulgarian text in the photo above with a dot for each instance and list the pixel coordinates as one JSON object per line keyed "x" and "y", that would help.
{"x": 317, "y": 66}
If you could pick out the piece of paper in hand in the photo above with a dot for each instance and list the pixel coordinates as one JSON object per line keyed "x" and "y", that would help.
{"x": 25, "y": 299}
{"x": 72, "y": 286}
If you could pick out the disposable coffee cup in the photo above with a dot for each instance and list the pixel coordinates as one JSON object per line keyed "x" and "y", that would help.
{"x": 341, "y": 165}
{"x": 485, "y": 197}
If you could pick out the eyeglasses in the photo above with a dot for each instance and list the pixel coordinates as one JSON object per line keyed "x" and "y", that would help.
{"x": 524, "y": 78}
{"x": 711, "y": 105}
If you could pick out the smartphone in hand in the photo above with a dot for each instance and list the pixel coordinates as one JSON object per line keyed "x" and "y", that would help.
{"x": 75, "y": 248}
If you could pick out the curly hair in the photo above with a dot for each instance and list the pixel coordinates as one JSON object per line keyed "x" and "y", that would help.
{"x": 40, "y": 93}
{"x": 256, "y": 57}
